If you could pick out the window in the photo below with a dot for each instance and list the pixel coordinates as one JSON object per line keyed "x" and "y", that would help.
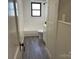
{"x": 11, "y": 11}
{"x": 35, "y": 9}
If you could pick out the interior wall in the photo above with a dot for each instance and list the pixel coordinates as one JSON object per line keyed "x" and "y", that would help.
{"x": 33, "y": 23}
{"x": 13, "y": 42}
{"x": 65, "y": 9}
{"x": 63, "y": 42}
{"x": 12, "y": 37}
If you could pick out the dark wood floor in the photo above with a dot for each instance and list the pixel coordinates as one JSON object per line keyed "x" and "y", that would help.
{"x": 34, "y": 48}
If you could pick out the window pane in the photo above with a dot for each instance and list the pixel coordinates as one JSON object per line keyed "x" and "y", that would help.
{"x": 36, "y": 13}
{"x": 11, "y": 9}
{"x": 35, "y": 6}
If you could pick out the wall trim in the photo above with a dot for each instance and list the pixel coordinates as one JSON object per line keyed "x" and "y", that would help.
{"x": 16, "y": 53}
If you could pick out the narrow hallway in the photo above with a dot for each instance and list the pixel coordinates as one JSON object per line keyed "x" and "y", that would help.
{"x": 34, "y": 48}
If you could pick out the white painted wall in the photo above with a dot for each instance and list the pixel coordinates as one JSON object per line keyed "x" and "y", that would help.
{"x": 12, "y": 37}
{"x": 33, "y": 23}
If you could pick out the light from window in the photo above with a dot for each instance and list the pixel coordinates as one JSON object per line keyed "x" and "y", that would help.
{"x": 36, "y": 9}
{"x": 36, "y": 13}
{"x": 35, "y": 6}
{"x": 11, "y": 11}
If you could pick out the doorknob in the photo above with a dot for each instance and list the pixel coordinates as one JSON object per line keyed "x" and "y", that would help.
{"x": 22, "y": 46}
{"x": 45, "y": 22}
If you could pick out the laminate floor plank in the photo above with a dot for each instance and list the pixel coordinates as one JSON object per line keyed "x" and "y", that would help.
{"x": 34, "y": 48}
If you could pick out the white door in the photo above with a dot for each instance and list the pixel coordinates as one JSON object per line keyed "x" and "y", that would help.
{"x": 58, "y": 34}
{"x": 52, "y": 26}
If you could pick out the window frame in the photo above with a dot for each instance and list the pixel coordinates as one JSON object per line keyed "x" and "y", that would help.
{"x": 33, "y": 9}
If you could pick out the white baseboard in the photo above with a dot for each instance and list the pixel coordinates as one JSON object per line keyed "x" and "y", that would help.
{"x": 16, "y": 53}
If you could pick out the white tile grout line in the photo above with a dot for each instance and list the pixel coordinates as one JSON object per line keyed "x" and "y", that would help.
{"x": 16, "y": 53}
